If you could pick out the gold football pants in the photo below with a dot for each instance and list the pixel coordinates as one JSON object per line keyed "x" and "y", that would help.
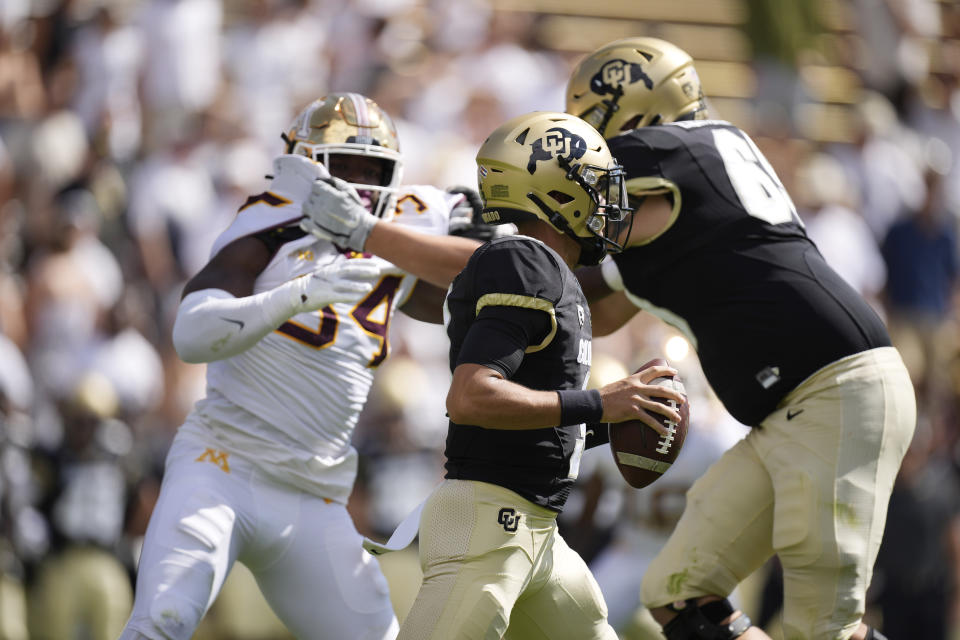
{"x": 495, "y": 567}
{"x": 811, "y": 485}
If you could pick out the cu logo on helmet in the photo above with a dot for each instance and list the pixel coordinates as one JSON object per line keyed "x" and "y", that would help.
{"x": 618, "y": 72}
{"x": 613, "y": 73}
{"x": 556, "y": 143}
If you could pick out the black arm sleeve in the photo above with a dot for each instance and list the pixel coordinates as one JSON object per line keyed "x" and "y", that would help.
{"x": 499, "y": 337}
{"x": 638, "y": 157}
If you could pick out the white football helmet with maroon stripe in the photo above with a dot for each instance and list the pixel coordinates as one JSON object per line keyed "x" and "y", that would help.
{"x": 351, "y": 124}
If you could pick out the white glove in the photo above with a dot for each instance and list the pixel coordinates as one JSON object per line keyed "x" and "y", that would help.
{"x": 294, "y": 175}
{"x": 341, "y": 281}
{"x": 334, "y": 212}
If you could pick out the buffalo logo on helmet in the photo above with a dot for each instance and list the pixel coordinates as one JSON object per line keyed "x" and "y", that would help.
{"x": 558, "y": 143}
{"x": 615, "y": 73}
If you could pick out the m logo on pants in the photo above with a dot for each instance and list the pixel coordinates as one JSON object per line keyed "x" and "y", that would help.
{"x": 216, "y": 457}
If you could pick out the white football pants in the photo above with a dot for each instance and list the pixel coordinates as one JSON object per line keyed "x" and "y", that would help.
{"x": 304, "y": 552}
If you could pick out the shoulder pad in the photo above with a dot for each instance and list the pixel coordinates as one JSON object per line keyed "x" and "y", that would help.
{"x": 424, "y": 208}
{"x": 518, "y": 265}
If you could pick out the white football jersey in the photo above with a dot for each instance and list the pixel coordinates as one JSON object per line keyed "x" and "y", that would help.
{"x": 291, "y": 402}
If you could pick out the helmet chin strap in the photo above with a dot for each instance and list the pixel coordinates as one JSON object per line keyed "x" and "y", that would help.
{"x": 612, "y": 108}
{"x": 590, "y": 250}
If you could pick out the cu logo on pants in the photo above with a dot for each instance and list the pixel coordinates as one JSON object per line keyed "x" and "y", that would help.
{"x": 509, "y": 519}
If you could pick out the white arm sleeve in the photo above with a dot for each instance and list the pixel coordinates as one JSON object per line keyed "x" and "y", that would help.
{"x": 212, "y": 324}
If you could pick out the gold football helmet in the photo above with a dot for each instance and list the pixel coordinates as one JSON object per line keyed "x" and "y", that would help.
{"x": 352, "y": 124}
{"x": 635, "y": 82}
{"x": 557, "y": 168}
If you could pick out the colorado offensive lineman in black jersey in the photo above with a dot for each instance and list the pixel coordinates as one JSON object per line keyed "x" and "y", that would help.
{"x": 520, "y": 346}
{"x": 717, "y": 249}
{"x": 760, "y": 303}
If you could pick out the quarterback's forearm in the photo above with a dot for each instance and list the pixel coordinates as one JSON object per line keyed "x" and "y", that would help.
{"x": 482, "y": 397}
{"x": 212, "y": 324}
{"x": 436, "y": 259}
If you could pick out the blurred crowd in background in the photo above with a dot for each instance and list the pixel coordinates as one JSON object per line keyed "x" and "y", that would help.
{"x": 132, "y": 130}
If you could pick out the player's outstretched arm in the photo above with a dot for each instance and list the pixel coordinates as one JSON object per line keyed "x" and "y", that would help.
{"x": 481, "y": 396}
{"x": 334, "y": 212}
{"x": 436, "y": 259}
{"x": 219, "y": 316}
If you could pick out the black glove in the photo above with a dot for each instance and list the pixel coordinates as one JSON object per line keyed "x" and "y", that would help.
{"x": 465, "y": 218}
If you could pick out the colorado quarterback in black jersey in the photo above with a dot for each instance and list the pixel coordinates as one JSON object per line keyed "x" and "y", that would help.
{"x": 531, "y": 323}
{"x": 493, "y": 562}
{"x": 717, "y": 250}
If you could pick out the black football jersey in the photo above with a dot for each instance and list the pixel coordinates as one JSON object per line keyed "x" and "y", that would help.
{"x": 735, "y": 270}
{"x": 524, "y": 285}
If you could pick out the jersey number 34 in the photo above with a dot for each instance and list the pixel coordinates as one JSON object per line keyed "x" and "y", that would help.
{"x": 363, "y": 314}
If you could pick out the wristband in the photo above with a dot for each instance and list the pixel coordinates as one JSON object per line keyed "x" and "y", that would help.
{"x": 578, "y": 407}
{"x": 611, "y": 274}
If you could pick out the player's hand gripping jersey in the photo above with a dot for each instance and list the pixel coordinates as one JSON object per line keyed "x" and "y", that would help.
{"x": 744, "y": 282}
{"x": 291, "y": 402}
{"x": 516, "y": 308}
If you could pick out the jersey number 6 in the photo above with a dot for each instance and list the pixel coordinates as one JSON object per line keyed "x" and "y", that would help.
{"x": 760, "y": 191}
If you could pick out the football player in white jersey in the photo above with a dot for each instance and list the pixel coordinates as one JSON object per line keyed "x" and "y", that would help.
{"x": 292, "y": 327}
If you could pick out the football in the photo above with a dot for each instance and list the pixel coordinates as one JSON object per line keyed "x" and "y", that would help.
{"x": 642, "y": 454}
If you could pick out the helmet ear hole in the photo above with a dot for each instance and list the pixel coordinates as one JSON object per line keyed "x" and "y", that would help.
{"x": 560, "y": 197}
